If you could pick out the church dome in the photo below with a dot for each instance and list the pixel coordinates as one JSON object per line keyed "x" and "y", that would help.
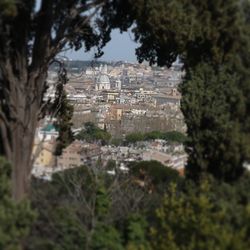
{"x": 104, "y": 79}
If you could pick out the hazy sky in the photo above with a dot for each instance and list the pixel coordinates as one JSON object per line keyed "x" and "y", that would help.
{"x": 121, "y": 47}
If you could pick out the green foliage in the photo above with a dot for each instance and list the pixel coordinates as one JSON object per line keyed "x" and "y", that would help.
{"x": 154, "y": 174}
{"x": 171, "y": 136}
{"x": 136, "y": 233}
{"x": 116, "y": 142}
{"x": 212, "y": 40}
{"x": 102, "y": 202}
{"x": 62, "y": 222}
{"x": 107, "y": 238}
{"x": 192, "y": 30}
{"x": 82, "y": 209}
{"x": 63, "y": 124}
{"x": 134, "y": 137}
{"x": 65, "y": 226}
{"x": 211, "y": 102}
{"x": 92, "y": 133}
{"x": 73, "y": 211}
{"x": 174, "y": 136}
{"x": 8, "y": 8}
{"x": 15, "y": 219}
{"x": 196, "y": 220}
{"x": 111, "y": 165}
{"x": 153, "y": 135}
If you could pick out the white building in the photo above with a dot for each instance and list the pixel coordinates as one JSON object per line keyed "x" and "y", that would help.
{"x": 102, "y": 81}
{"x": 47, "y": 133}
{"x": 118, "y": 84}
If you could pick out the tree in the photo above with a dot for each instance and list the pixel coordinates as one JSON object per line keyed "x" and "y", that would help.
{"x": 170, "y": 136}
{"x": 215, "y": 90}
{"x": 105, "y": 236}
{"x": 67, "y": 210}
{"x": 134, "y": 137}
{"x": 111, "y": 165}
{"x": 198, "y": 219}
{"x": 174, "y": 136}
{"x": 153, "y": 135}
{"x": 32, "y": 33}
{"x": 136, "y": 233}
{"x": 215, "y": 142}
{"x": 154, "y": 175}
{"x": 15, "y": 219}
{"x": 92, "y": 133}
{"x": 78, "y": 209}
{"x": 64, "y": 124}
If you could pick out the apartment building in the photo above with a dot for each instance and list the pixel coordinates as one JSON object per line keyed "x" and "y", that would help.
{"x": 78, "y": 153}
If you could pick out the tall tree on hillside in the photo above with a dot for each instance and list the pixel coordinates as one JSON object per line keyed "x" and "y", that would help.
{"x": 63, "y": 124}
{"x": 62, "y": 110}
{"x": 214, "y": 108}
{"x": 32, "y": 33}
{"x": 216, "y": 93}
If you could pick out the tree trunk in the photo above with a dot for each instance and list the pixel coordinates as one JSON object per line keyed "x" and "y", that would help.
{"x": 21, "y": 159}
{"x": 24, "y": 101}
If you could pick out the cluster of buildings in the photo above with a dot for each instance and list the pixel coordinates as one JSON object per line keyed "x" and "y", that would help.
{"x": 80, "y": 153}
{"x": 77, "y": 154}
{"x": 125, "y": 98}
{"x": 170, "y": 155}
{"x": 121, "y": 98}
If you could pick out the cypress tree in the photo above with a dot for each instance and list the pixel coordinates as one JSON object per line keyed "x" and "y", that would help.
{"x": 211, "y": 104}
{"x": 64, "y": 124}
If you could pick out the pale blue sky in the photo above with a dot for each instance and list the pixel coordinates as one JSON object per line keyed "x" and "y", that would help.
{"x": 121, "y": 47}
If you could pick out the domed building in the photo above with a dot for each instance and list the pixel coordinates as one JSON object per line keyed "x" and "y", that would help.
{"x": 102, "y": 81}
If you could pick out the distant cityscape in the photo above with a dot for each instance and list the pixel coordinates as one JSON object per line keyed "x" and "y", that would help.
{"x": 120, "y": 98}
